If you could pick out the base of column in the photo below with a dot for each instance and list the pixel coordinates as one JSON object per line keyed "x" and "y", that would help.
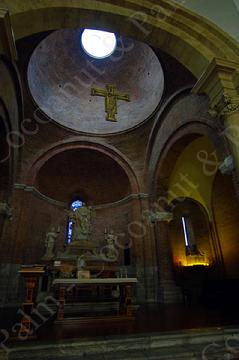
{"x": 169, "y": 293}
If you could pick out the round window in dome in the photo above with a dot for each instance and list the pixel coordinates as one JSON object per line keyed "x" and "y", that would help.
{"x": 98, "y": 44}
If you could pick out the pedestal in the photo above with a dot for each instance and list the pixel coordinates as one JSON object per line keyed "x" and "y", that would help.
{"x": 31, "y": 276}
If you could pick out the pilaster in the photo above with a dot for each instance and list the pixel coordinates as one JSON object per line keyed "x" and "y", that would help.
{"x": 220, "y": 82}
{"x": 168, "y": 291}
{"x": 7, "y": 41}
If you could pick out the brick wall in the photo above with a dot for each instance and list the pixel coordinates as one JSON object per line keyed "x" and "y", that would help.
{"x": 226, "y": 216}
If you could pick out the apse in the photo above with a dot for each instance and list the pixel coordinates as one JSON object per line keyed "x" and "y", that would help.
{"x": 62, "y": 75}
{"x": 82, "y": 173}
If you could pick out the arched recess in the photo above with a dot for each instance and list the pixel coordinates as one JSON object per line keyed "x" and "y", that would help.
{"x": 162, "y": 24}
{"x": 202, "y": 237}
{"x": 184, "y": 116}
{"x": 182, "y": 168}
{"x": 180, "y": 174}
{"x": 80, "y": 144}
{"x": 193, "y": 250}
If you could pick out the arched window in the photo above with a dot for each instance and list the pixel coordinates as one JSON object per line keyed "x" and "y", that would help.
{"x": 76, "y": 204}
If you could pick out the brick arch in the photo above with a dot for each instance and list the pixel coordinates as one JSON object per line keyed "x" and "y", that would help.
{"x": 78, "y": 143}
{"x": 173, "y": 203}
{"x": 174, "y": 147}
{"x": 164, "y": 25}
{"x": 173, "y": 132}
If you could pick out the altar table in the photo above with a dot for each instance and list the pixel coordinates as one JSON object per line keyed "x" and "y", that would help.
{"x": 125, "y": 285}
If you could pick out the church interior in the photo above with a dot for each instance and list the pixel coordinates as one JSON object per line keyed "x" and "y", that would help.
{"x": 119, "y": 179}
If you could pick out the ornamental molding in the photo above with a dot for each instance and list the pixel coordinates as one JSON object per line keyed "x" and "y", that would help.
{"x": 161, "y": 216}
{"x": 38, "y": 194}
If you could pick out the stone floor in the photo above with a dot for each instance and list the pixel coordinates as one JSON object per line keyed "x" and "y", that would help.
{"x": 149, "y": 319}
{"x": 204, "y": 344}
{"x": 158, "y": 332}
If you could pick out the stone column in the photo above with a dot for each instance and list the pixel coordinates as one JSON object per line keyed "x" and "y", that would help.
{"x": 220, "y": 82}
{"x": 5, "y": 213}
{"x": 144, "y": 251}
{"x": 137, "y": 251}
{"x": 150, "y": 262}
{"x": 228, "y": 110}
{"x": 168, "y": 291}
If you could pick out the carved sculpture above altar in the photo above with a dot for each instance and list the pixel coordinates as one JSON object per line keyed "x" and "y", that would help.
{"x": 83, "y": 256}
{"x": 81, "y": 223}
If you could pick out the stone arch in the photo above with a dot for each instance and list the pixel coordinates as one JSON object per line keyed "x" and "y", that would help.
{"x": 180, "y": 140}
{"x": 79, "y": 143}
{"x": 166, "y": 25}
{"x": 170, "y": 133}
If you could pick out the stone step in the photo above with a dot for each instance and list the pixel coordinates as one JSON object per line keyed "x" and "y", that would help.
{"x": 218, "y": 343}
{"x": 83, "y": 307}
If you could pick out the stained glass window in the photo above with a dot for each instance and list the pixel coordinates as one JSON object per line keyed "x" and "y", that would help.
{"x": 76, "y": 204}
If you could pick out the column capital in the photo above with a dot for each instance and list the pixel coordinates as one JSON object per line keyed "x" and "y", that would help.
{"x": 161, "y": 216}
{"x": 226, "y": 106}
{"x": 220, "y": 82}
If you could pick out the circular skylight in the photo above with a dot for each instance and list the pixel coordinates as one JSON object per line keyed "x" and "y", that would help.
{"x": 98, "y": 44}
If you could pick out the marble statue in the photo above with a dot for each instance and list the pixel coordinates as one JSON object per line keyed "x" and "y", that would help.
{"x": 81, "y": 263}
{"x": 111, "y": 251}
{"x": 81, "y": 223}
{"x": 5, "y": 210}
{"x": 50, "y": 240}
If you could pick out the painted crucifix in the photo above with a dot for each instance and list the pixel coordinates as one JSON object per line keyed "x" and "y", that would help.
{"x": 111, "y": 96}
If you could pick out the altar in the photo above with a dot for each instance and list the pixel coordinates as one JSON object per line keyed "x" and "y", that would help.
{"x": 120, "y": 288}
{"x": 89, "y": 271}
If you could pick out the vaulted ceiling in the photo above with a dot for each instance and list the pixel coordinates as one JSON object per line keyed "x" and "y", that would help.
{"x": 223, "y": 13}
{"x": 61, "y": 76}
{"x": 88, "y": 174}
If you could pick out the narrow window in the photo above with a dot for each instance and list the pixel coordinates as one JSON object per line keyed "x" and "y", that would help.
{"x": 76, "y": 204}
{"x": 185, "y": 231}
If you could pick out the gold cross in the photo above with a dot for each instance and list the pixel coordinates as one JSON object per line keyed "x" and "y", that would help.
{"x": 111, "y": 96}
